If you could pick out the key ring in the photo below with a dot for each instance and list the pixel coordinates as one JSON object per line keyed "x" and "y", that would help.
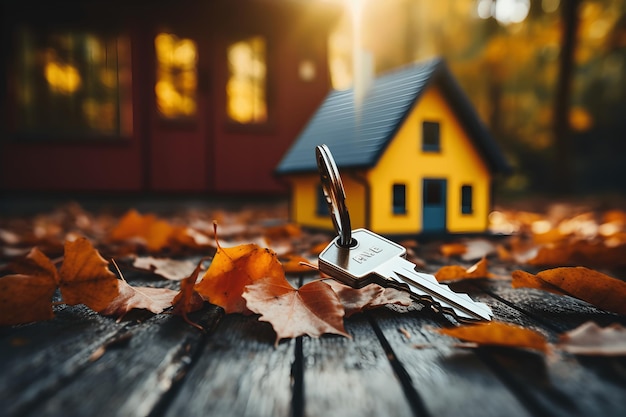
{"x": 335, "y": 194}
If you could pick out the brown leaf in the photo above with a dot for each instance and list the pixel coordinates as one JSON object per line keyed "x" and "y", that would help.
{"x": 27, "y": 295}
{"x": 585, "y": 284}
{"x": 591, "y": 339}
{"x": 188, "y": 300}
{"x": 313, "y": 309}
{"x": 166, "y": 267}
{"x": 152, "y": 299}
{"x": 455, "y": 272}
{"x": 496, "y": 333}
{"x": 85, "y": 277}
{"x": 371, "y": 296}
{"x": 234, "y": 268}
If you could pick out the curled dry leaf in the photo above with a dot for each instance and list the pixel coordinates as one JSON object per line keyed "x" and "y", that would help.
{"x": 497, "y": 333}
{"x": 585, "y": 284}
{"x": 85, "y": 277}
{"x": 455, "y": 272}
{"x": 166, "y": 267}
{"x": 27, "y": 295}
{"x": 234, "y": 268}
{"x": 154, "y": 232}
{"x": 371, "y": 296}
{"x": 591, "y": 339}
{"x": 188, "y": 300}
{"x": 313, "y": 309}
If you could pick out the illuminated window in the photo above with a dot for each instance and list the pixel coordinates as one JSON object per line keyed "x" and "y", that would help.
{"x": 176, "y": 76}
{"x": 246, "y": 100}
{"x": 72, "y": 83}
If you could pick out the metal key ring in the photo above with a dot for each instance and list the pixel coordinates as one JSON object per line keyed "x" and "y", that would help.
{"x": 335, "y": 194}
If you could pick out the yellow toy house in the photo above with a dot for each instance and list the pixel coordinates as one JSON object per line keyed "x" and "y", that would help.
{"x": 414, "y": 157}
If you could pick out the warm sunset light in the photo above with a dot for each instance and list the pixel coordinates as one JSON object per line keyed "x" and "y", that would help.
{"x": 62, "y": 78}
{"x": 176, "y": 75}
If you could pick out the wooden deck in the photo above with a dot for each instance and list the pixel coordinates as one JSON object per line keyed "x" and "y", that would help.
{"x": 83, "y": 364}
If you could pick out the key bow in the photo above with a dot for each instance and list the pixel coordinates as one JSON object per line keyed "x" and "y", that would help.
{"x": 335, "y": 194}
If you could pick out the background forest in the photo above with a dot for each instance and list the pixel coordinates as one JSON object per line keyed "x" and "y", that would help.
{"x": 547, "y": 76}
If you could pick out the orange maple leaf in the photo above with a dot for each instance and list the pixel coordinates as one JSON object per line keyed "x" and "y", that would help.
{"x": 27, "y": 295}
{"x": 85, "y": 277}
{"x": 583, "y": 283}
{"x": 497, "y": 333}
{"x": 234, "y": 268}
{"x": 313, "y": 309}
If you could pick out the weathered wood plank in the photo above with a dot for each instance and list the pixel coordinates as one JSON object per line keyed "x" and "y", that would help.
{"x": 130, "y": 380}
{"x": 559, "y": 384}
{"x": 352, "y": 377}
{"x": 239, "y": 372}
{"x": 37, "y": 359}
{"x": 450, "y": 381}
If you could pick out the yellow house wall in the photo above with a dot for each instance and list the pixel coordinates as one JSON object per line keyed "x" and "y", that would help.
{"x": 304, "y": 201}
{"x": 405, "y": 162}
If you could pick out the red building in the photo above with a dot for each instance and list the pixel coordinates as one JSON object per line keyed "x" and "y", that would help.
{"x": 189, "y": 96}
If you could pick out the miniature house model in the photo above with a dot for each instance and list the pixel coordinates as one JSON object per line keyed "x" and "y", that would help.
{"x": 414, "y": 156}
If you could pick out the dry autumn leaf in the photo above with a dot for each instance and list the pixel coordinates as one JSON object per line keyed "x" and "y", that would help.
{"x": 27, "y": 295}
{"x": 166, "y": 267}
{"x": 498, "y": 334}
{"x": 296, "y": 264}
{"x": 152, "y": 299}
{"x": 313, "y": 309}
{"x": 585, "y": 284}
{"x": 371, "y": 296}
{"x": 188, "y": 300}
{"x": 455, "y": 272}
{"x": 234, "y": 268}
{"x": 85, "y": 277}
{"x": 154, "y": 232}
{"x": 591, "y": 339}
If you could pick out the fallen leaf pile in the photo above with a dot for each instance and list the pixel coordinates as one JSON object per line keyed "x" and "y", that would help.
{"x": 249, "y": 263}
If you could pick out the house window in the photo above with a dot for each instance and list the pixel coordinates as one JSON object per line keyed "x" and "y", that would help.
{"x": 466, "y": 199}
{"x": 321, "y": 205}
{"x": 431, "y": 137}
{"x": 399, "y": 199}
{"x": 176, "y": 76}
{"x": 246, "y": 100}
{"x": 72, "y": 83}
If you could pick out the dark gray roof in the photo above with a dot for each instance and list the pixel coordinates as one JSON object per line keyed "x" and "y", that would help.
{"x": 357, "y": 139}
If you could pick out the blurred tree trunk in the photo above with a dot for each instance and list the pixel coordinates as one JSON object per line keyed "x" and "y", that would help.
{"x": 561, "y": 128}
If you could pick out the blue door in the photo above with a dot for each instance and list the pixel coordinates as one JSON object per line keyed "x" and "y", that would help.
{"x": 434, "y": 205}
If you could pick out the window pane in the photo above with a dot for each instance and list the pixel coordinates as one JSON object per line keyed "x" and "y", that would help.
{"x": 322, "y": 204}
{"x": 73, "y": 83}
{"x": 246, "y": 85}
{"x": 176, "y": 76}
{"x": 399, "y": 199}
{"x": 430, "y": 136}
{"x": 466, "y": 199}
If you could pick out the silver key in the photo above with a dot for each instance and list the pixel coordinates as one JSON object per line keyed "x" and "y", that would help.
{"x": 360, "y": 257}
{"x": 373, "y": 259}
